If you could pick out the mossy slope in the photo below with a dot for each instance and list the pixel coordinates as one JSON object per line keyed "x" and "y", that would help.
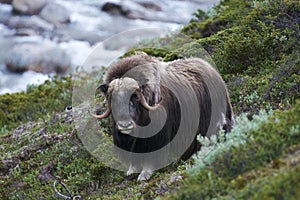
{"x": 254, "y": 44}
{"x": 269, "y": 156}
{"x": 34, "y": 153}
{"x": 36, "y": 102}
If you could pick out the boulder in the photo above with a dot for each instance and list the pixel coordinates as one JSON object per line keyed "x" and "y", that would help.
{"x": 114, "y": 9}
{"x": 55, "y": 13}
{"x": 130, "y": 10}
{"x": 28, "y": 7}
{"x": 39, "y": 57}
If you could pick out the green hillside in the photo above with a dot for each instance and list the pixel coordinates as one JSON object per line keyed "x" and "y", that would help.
{"x": 254, "y": 44}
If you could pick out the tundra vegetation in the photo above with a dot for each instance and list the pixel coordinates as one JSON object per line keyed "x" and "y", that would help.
{"x": 254, "y": 44}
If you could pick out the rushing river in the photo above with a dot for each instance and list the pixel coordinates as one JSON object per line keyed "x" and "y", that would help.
{"x": 88, "y": 25}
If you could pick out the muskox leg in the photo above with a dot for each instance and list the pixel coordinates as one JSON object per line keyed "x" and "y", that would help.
{"x": 229, "y": 118}
{"x": 145, "y": 174}
{"x": 132, "y": 169}
{"x": 147, "y": 168}
{"x": 153, "y": 161}
{"x": 194, "y": 147}
{"x": 135, "y": 164}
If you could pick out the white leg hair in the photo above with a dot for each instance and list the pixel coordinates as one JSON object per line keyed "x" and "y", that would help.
{"x": 145, "y": 174}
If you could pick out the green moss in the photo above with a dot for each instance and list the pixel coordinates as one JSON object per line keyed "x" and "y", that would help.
{"x": 276, "y": 86}
{"x": 223, "y": 16}
{"x": 262, "y": 33}
{"x": 37, "y": 152}
{"x": 275, "y": 181}
{"x": 243, "y": 47}
{"x": 36, "y": 102}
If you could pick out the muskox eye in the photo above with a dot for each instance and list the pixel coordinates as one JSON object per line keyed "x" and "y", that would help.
{"x": 134, "y": 97}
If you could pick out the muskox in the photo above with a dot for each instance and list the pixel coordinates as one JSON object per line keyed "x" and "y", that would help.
{"x": 141, "y": 90}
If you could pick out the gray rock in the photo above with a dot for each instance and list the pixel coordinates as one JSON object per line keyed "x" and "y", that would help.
{"x": 25, "y": 32}
{"x": 5, "y": 45}
{"x": 28, "y": 7}
{"x": 142, "y": 10}
{"x": 150, "y": 5}
{"x": 77, "y": 32}
{"x": 6, "y": 1}
{"x": 32, "y": 22}
{"x": 55, "y": 13}
{"x": 5, "y": 12}
{"x": 114, "y": 9}
{"x": 38, "y": 57}
{"x": 126, "y": 9}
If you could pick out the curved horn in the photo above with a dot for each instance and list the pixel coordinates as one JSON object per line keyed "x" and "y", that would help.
{"x": 144, "y": 102}
{"x": 104, "y": 115}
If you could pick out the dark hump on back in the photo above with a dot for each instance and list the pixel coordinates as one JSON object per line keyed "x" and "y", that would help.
{"x": 118, "y": 69}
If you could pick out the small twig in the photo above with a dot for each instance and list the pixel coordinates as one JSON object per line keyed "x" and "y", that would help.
{"x": 69, "y": 197}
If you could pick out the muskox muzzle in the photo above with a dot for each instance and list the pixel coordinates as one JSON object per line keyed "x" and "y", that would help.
{"x": 125, "y": 127}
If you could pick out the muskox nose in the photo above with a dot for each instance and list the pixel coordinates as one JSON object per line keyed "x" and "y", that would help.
{"x": 125, "y": 126}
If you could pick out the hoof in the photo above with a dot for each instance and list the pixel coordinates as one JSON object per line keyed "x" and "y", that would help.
{"x": 144, "y": 176}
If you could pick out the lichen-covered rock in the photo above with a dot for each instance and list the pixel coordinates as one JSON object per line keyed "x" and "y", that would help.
{"x": 28, "y": 7}
{"x": 38, "y": 57}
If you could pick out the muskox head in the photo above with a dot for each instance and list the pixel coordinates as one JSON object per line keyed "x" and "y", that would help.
{"x": 128, "y": 104}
